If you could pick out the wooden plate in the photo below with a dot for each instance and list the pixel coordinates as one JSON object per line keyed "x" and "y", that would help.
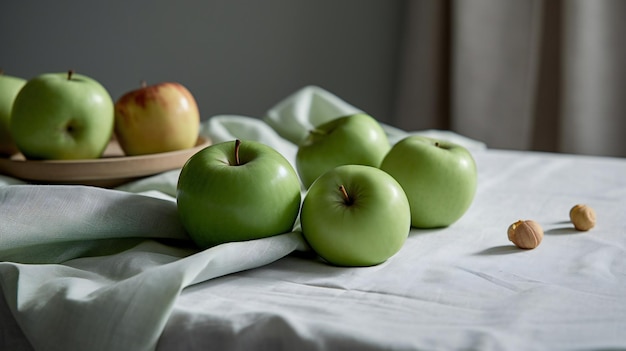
{"x": 111, "y": 170}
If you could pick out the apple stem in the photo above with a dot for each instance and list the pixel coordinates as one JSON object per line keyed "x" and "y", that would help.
{"x": 436, "y": 143}
{"x": 69, "y": 74}
{"x": 346, "y": 197}
{"x": 237, "y": 144}
{"x": 1, "y": 72}
{"x": 143, "y": 84}
{"x": 317, "y": 131}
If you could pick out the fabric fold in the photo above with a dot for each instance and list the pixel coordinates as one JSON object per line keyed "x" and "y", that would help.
{"x": 44, "y": 223}
{"x": 121, "y": 301}
{"x": 294, "y": 116}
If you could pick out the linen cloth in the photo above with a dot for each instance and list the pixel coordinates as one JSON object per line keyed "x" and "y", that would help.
{"x": 464, "y": 287}
{"x": 84, "y": 268}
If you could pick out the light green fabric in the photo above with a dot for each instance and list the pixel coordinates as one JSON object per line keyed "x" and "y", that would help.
{"x": 85, "y": 268}
{"x": 100, "y": 269}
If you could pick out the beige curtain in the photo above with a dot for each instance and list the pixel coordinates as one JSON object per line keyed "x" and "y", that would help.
{"x": 529, "y": 75}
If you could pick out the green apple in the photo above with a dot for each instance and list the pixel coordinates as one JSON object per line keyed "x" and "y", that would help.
{"x": 355, "y": 215}
{"x": 9, "y": 87}
{"x": 62, "y": 116}
{"x": 438, "y": 177}
{"x": 236, "y": 191}
{"x": 355, "y": 139}
{"x": 157, "y": 118}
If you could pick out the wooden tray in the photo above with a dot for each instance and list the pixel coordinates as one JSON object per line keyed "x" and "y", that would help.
{"x": 111, "y": 170}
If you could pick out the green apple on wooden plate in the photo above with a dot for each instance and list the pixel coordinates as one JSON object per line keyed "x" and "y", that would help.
{"x": 9, "y": 87}
{"x": 62, "y": 116}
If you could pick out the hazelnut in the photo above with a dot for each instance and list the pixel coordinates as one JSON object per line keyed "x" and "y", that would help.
{"x": 583, "y": 217}
{"x": 525, "y": 234}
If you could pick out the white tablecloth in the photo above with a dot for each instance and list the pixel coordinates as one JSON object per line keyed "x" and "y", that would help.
{"x": 92, "y": 269}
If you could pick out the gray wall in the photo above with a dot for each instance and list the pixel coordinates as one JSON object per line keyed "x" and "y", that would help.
{"x": 236, "y": 56}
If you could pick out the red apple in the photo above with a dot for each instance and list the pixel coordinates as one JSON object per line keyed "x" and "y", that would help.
{"x": 157, "y": 118}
